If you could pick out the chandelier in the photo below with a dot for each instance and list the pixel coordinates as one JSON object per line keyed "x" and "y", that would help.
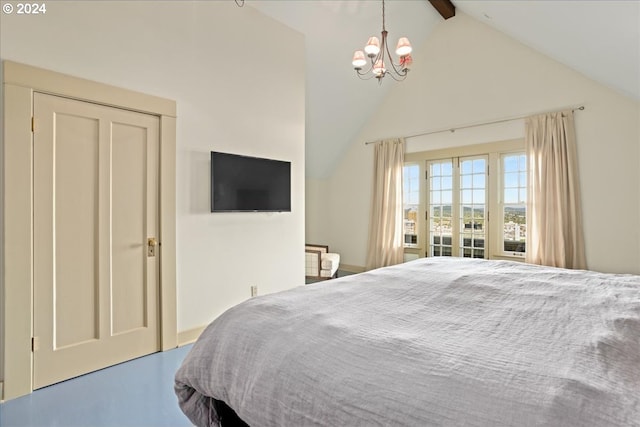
{"x": 381, "y": 62}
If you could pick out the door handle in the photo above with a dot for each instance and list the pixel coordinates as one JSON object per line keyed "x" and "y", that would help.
{"x": 151, "y": 246}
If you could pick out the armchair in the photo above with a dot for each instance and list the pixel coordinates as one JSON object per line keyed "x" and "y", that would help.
{"x": 320, "y": 264}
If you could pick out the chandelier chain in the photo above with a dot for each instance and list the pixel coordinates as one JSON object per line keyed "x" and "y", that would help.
{"x": 383, "y": 20}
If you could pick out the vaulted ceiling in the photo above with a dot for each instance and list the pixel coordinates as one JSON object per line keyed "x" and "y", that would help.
{"x": 598, "y": 38}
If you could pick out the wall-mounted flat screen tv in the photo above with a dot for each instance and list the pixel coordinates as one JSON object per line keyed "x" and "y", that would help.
{"x": 249, "y": 184}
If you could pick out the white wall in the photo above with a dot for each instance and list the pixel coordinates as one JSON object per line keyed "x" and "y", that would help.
{"x": 238, "y": 78}
{"x": 468, "y": 73}
{"x": 316, "y": 211}
{"x": 2, "y": 319}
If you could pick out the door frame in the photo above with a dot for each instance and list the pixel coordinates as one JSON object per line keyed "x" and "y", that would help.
{"x": 20, "y": 81}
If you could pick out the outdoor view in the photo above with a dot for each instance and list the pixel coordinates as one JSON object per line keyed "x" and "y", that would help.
{"x": 515, "y": 228}
{"x": 514, "y": 199}
{"x": 411, "y": 198}
{"x": 471, "y": 205}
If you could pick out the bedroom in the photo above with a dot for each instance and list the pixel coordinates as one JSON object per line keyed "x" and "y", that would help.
{"x": 204, "y": 56}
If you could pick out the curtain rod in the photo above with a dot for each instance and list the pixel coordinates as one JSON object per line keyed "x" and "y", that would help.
{"x": 453, "y": 129}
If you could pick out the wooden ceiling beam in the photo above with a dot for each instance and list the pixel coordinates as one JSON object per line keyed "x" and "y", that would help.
{"x": 444, "y": 8}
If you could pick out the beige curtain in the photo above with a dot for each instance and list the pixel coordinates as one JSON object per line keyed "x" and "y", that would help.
{"x": 385, "y": 245}
{"x": 554, "y": 215}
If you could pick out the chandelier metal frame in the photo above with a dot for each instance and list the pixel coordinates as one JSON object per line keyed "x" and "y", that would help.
{"x": 381, "y": 62}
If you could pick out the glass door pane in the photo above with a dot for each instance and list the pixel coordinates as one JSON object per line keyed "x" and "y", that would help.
{"x": 440, "y": 207}
{"x": 473, "y": 206}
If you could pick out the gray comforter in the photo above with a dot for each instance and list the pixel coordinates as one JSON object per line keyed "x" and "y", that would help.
{"x": 434, "y": 342}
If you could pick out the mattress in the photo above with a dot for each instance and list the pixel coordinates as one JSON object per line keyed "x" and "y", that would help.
{"x": 433, "y": 342}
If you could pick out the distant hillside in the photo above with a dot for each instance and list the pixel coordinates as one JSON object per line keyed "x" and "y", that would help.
{"x": 515, "y": 214}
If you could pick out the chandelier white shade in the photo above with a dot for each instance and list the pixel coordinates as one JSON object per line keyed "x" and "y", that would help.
{"x": 404, "y": 47}
{"x": 373, "y": 46}
{"x": 380, "y": 60}
{"x": 358, "y": 59}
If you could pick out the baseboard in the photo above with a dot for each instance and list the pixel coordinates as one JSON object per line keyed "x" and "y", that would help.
{"x": 189, "y": 336}
{"x": 351, "y": 268}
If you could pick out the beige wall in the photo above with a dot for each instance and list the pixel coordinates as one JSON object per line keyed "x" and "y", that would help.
{"x": 316, "y": 212}
{"x": 2, "y": 319}
{"x": 204, "y": 55}
{"x": 467, "y": 73}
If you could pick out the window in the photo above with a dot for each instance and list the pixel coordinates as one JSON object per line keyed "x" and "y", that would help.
{"x": 514, "y": 202}
{"x": 467, "y": 201}
{"x": 411, "y": 202}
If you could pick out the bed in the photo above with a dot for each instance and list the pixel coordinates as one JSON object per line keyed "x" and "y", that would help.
{"x": 432, "y": 342}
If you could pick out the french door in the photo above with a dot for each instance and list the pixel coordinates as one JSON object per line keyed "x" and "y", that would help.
{"x": 457, "y": 212}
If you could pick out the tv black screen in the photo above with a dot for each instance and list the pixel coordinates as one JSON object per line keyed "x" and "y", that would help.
{"x": 249, "y": 184}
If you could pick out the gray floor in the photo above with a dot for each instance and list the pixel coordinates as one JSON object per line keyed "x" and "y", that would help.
{"x": 341, "y": 273}
{"x": 138, "y": 393}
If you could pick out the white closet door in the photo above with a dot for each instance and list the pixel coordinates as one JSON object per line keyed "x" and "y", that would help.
{"x": 95, "y": 221}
